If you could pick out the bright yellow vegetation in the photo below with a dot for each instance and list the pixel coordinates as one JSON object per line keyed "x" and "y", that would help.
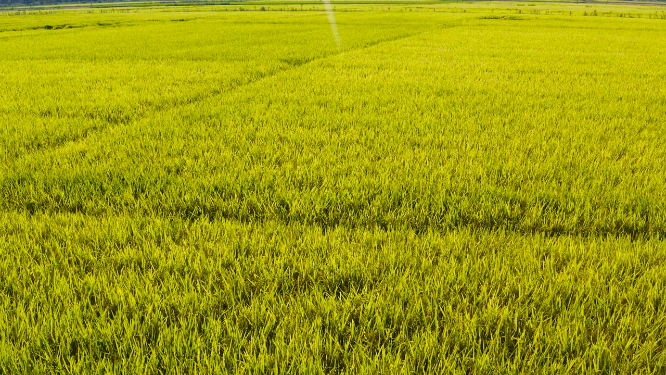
{"x": 462, "y": 188}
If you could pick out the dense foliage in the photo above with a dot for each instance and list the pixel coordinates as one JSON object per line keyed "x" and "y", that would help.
{"x": 458, "y": 188}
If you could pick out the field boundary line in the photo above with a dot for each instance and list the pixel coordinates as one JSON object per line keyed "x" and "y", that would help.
{"x": 161, "y": 107}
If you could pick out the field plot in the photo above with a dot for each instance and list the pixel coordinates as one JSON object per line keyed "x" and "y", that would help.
{"x": 456, "y": 188}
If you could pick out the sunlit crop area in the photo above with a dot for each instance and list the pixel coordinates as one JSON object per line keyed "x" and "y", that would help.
{"x": 474, "y": 188}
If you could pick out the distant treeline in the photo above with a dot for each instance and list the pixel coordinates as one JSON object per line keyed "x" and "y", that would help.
{"x": 37, "y": 2}
{"x": 7, "y": 3}
{"x": 45, "y": 2}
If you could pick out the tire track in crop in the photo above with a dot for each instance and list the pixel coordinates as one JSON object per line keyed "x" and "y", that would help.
{"x": 213, "y": 208}
{"x": 112, "y": 121}
{"x": 297, "y": 65}
{"x": 109, "y": 122}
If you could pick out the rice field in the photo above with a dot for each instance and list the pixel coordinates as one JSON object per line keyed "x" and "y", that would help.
{"x": 464, "y": 188}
